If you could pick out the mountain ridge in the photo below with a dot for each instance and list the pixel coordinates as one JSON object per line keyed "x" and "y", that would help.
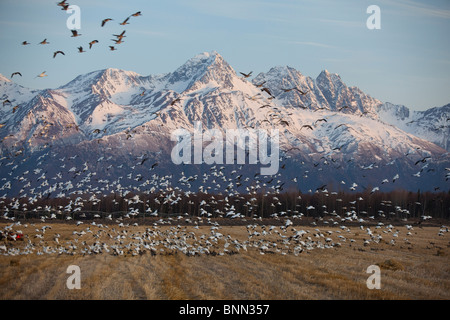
{"x": 331, "y": 130}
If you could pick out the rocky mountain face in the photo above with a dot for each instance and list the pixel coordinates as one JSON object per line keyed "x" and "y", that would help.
{"x": 102, "y": 125}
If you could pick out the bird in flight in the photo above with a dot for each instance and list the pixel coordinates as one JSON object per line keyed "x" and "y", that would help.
{"x": 342, "y": 124}
{"x": 395, "y": 177}
{"x": 92, "y": 43}
{"x": 301, "y": 92}
{"x": 124, "y": 22}
{"x": 284, "y": 122}
{"x": 63, "y": 4}
{"x": 80, "y": 50}
{"x": 105, "y": 21}
{"x": 320, "y": 120}
{"x": 112, "y": 48}
{"x": 56, "y": 52}
{"x": 246, "y": 75}
{"x": 118, "y": 41}
{"x": 294, "y": 88}
{"x": 120, "y": 36}
{"x": 15, "y": 73}
{"x": 75, "y": 33}
{"x": 137, "y": 14}
{"x": 306, "y": 126}
{"x": 422, "y": 160}
{"x": 44, "y": 42}
{"x": 175, "y": 101}
{"x": 267, "y": 91}
{"x": 24, "y": 43}
{"x": 42, "y": 75}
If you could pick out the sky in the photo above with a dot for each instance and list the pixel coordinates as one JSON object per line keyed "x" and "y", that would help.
{"x": 406, "y": 61}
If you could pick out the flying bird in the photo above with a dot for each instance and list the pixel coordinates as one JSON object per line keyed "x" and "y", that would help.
{"x": 137, "y": 14}
{"x": 301, "y": 92}
{"x": 120, "y": 36}
{"x": 246, "y": 75}
{"x": 80, "y": 50}
{"x": 374, "y": 189}
{"x": 422, "y": 160}
{"x": 118, "y": 41}
{"x": 306, "y": 126}
{"x": 124, "y": 22}
{"x": 320, "y": 120}
{"x": 42, "y": 75}
{"x": 63, "y": 4}
{"x": 267, "y": 91}
{"x": 56, "y": 52}
{"x": 294, "y": 88}
{"x": 24, "y": 43}
{"x": 112, "y": 48}
{"x": 44, "y": 42}
{"x": 342, "y": 124}
{"x": 175, "y": 101}
{"x": 92, "y": 43}
{"x": 16, "y": 73}
{"x": 75, "y": 33}
{"x": 105, "y": 21}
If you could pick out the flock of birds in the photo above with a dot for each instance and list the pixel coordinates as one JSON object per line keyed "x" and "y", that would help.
{"x": 122, "y": 237}
{"x": 118, "y": 38}
{"x": 79, "y": 187}
{"x": 276, "y": 116}
{"x": 191, "y": 232}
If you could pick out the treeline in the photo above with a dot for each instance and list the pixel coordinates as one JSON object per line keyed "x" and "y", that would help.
{"x": 393, "y": 205}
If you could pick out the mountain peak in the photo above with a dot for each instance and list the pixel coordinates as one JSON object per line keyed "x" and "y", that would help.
{"x": 115, "y": 72}
{"x": 204, "y": 68}
{"x": 207, "y": 55}
{"x": 327, "y": 80}
{"x": 326, "y": 74}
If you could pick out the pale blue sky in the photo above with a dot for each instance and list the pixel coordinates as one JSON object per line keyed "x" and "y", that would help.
{"x": 406, "y": 62}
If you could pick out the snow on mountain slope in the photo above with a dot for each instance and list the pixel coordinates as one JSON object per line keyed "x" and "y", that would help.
{"x": 432, "y": 125}
{"x": 11, "y": 95}
{"x": 328, "y": 131}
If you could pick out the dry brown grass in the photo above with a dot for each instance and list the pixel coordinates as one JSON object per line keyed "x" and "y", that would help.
{"x": 415, "y": 269}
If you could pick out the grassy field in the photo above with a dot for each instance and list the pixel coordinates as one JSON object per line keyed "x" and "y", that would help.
{"x": 415, "y": 267}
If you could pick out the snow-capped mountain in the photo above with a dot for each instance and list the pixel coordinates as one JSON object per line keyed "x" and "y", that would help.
{"x": 329, "y": 133}
{"x": 432, "y": 124}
